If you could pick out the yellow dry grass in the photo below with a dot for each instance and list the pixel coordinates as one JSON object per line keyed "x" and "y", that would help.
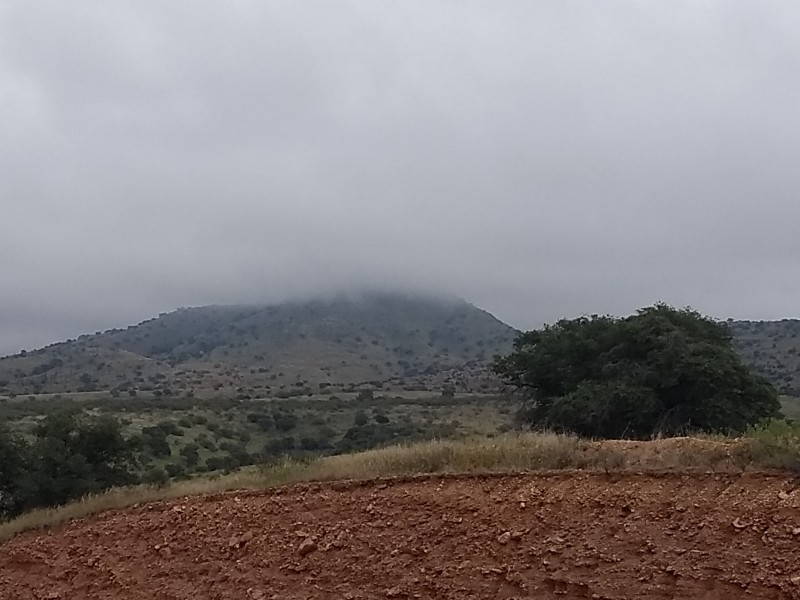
{"x": 511, "y": 452}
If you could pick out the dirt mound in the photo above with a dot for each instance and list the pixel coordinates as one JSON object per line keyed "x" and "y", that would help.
{"x": 559, "y": 535}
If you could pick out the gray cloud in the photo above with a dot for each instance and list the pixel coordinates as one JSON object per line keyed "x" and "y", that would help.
{"x": 539, "y": 159}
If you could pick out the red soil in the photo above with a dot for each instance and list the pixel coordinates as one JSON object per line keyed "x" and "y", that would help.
{"x": 560, "y": 535}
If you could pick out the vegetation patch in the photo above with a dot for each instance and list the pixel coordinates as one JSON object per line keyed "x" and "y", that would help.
{"x": 54, "y": 452}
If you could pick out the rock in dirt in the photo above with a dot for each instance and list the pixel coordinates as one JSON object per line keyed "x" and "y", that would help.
{"x": 238, "y": 541}
{"x": 504, "y": 538}
{"x": 307, "y": 546}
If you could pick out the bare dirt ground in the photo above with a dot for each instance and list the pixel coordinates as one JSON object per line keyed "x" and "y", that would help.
{"x": 559, "y": 535}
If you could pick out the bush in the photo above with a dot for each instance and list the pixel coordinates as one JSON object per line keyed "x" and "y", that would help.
{"x": 155, "y": 476}
{"x": 155, "y": 441}
{"x": 263, "y": 421}
{"x": 279, "y": 446}
{"x": 775, "y": 443}
{"x": 207, "y": 443}
{"x": 174, "y": 469}
{"x": 227, "y": 432}
{"x": 285, "y": 421}
{"x": 191, "y": 454}
{"x": 313, "y": 444}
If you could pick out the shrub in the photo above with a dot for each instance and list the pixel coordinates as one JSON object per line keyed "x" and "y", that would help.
{"x": 285, "y": 421}
{"x": 775, "y": 443}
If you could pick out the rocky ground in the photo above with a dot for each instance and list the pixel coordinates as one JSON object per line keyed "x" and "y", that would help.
{"x": 561, "y": 535}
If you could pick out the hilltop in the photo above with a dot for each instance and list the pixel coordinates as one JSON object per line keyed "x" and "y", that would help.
{"x": 294, "y": 347}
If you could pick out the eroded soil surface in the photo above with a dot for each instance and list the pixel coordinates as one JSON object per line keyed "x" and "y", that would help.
{"x": 562, "y": 535}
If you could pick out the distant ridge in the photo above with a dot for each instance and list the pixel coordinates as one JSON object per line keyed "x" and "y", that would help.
{"x": 346, "y": 339}
{"x": 396, "y": 339}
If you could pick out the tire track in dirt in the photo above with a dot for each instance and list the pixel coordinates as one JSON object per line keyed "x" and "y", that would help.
{"x": 553, "y": 535}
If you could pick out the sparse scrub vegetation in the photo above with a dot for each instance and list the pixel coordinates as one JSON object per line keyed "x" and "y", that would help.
{"x": 230, "y": 433}
{"x": 774, "y": 444}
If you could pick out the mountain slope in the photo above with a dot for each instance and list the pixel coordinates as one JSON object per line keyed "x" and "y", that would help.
{"x": 773, "y": 349}
{"x": 298, "y": 346}
{"x": 372, "y": 337}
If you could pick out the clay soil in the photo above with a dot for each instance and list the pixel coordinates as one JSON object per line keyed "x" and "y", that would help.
{"x": 557, "y": 535}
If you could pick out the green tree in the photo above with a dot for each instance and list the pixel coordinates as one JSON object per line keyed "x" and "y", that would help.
{"x": 360, "y": 418}
{"x": 72, "y": 456}
{"x": 661, "y": 370}
{"x": 191, "y": 453}
{"x": 12, "y": 469}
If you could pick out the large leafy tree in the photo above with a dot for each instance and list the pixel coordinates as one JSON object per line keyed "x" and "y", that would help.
{"x": 660, "y": 371}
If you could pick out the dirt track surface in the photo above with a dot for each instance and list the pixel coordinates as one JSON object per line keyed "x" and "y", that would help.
{"x": 558, "y": 535}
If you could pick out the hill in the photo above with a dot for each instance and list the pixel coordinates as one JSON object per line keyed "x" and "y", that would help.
{"x": 379, "y": 339}
{"x": 291, "y": 348}
{"x": 772, "y": 348}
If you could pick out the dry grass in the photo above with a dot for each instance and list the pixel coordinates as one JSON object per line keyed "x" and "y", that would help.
{"x": 521, "y": 452}
{"x": 512, "y": 452}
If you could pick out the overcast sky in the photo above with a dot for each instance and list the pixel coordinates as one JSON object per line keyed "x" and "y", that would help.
{"x": 538, "y": 158}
